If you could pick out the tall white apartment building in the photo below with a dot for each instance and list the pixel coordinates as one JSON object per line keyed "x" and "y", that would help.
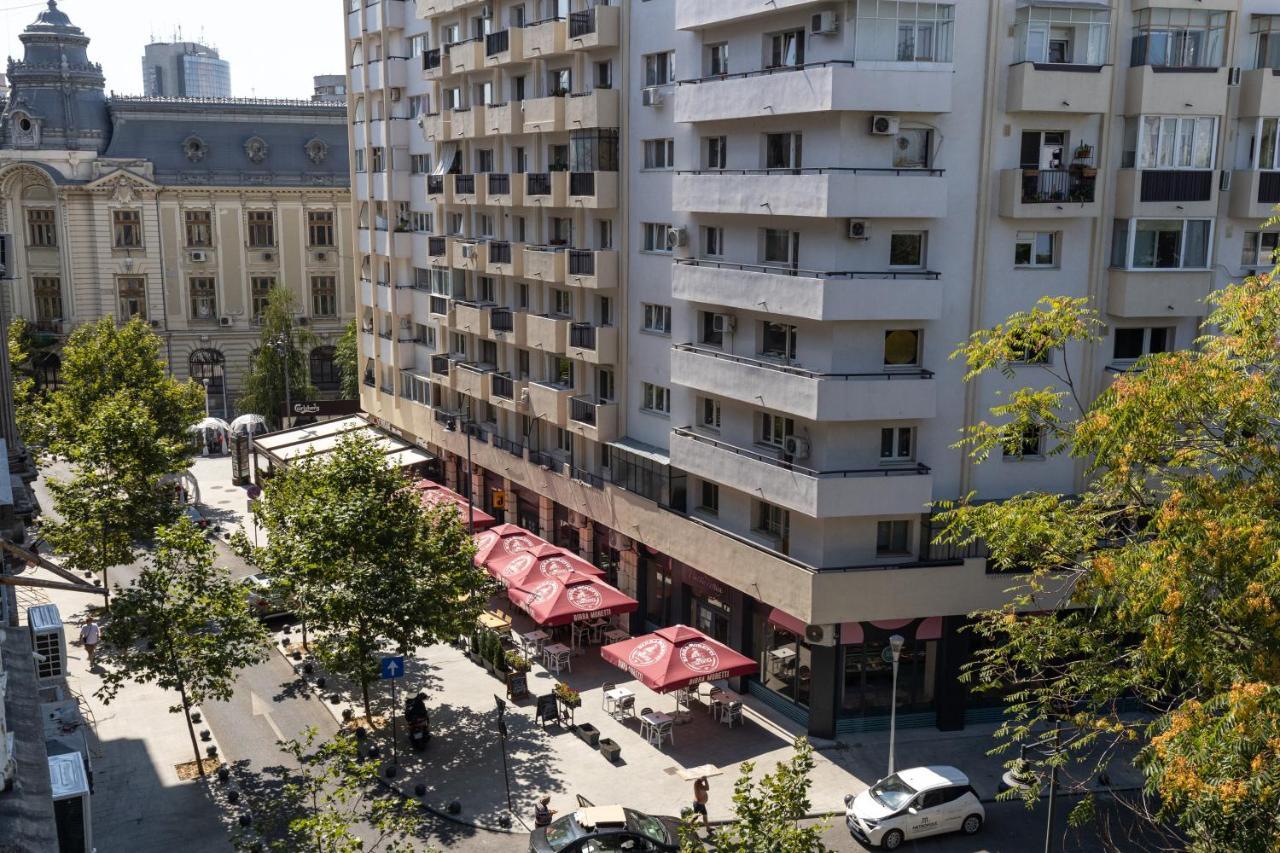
{"x": 683, "y": 278}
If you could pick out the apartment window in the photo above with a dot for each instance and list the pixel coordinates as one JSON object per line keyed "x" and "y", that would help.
{"x": 419, "y": 164}
{"x": 659, "y": 68}
{"x": 896, "y": 443}
{"x": 1056, "y": 35}
{"x": 563, "y": 372}
{"x": 717, "y": 59}
{"x": 604, "y": 233}
{"x": 711, "y": 328}
{"x": 774, "y": 429}
{"x": 377, "y": 159}
{"x": 1132, "y": 344}
{"x": 484, "y": 161}
{"x": 1035, "y": 249}
{"x": 778, "y": 340}
{"x": 1027, "y": 443}
{"x": 716, "y": 152}
{"x": 561, "y": 302}
{"x": 486, "y": 290}
{"x": 48, "y": 296}
{"x": 659, "y": 153}
{"x": 1141, "y": 244}
{"x": 604, "y": 384}
{"x": 902, "y": 348}
{"x": 484, "y": 225}
{"x": 712, "y": 242}
{"x": 522, "y": 364}
{"x": 772, "y": 520}
{"x": 1174, "y": 142}
{"x": 709, "y": 497}
{"x": 1027, "y": 350}
{"x": 1265, "y": 30}
{"x": 419, "y": 45}
{"x": 655, "y": 236}
{"x": 454, "y": 224}
{"x": 911, "y": 148}
{"x": 655, "y": 398}
{"x": 41, "y": 230}
{"x": 559, "y": 82}
{"x": 324, "y": 296}
{"x": 1259, "y": 248}
{"x": 906, "y": 249}
{"x": 522, "y": 296}
{"x": 421, "y": 222}
{"x": 709, "y": 414}
{"x": 781, "y": 248}
{"x": 891, "y": 31}
{"x": 785, "y": 49}
{"x": 260, "y": 292}
{"x": 320, "y": 228}
{"x": 132, "y": 293}
{"x": 657, "y": 318}
{"x": 564, "y": 440}
{"x": 204, "y": 298}
{"x": 604, "y": 75}
{"x": 262, "y": 229}
{"x": 359, "y": 160}
{"x": 893, "y": 538}
{"x": 199, "y": 227}
{"x": 1178, "y": 38}
{"x": 782, "y": 150}
{"x": 127, "y": 225}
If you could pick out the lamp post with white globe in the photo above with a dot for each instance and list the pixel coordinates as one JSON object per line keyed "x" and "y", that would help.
{"x": 895, "y": 648}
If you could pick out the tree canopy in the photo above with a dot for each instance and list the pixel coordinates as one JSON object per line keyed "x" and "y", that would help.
{"x": 281, "y": 341}
{"x": 1166, "y": 565}
{"x": 348, "y": 360}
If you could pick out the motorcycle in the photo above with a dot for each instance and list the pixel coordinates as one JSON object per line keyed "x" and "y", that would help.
{"x": 418, "y": 721}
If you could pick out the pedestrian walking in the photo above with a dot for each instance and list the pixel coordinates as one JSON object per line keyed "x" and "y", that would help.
{"x": 701, "y": 789}
{"x": 542, "y": 812}
{"x": 90, "y": 634}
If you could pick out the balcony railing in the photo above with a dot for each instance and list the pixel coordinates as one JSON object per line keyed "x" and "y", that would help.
{"x": 499, "y": 183}
{"x": 502, "y": 385}
{"x": 502, "y": 320}
{"x": 797, "y": 272}
{"x": 582, "y": 23}
{"x": 515, "y": 448}
{"x": 781, "y": 367}
{"x": 582, "y": 336}
{"x": 437, "y": 246}
{"x": 546, "y": 460}
{"x": 464, "y": 184}
{"x": 912, "y": 470}
{"x": 499, "y": 251}
{"x": 439, "y": 305}
{"x": 583, "y": 409}
{"x": 440, "y": 365}
{"x": 446, "y": 419}
{"x": 817, "y": 170}
{"x": 581, "y": 262}
{"x": 1045, "y": 186}
{"x": 538, "y": 183}
{"x": 582, "y": 183}
{"x": 495, "y": 43}
{"x": 435, "y": 184}
{"x": 759, "y": 72}
{"x": 1176, "y": 185}
{"x": 1269, "y": 188}
{"x": 431, "y": 59}
{"x": 585, "y": 477}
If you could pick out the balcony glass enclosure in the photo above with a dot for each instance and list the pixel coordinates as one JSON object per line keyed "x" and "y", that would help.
{"x": 891, "y": 31}
{"x": 1178, "y": 38}
{"x": 1053, "y": 35}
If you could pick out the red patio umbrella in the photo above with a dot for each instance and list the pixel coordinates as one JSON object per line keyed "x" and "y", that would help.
{"x": 434, "y": 494}
{"x": 504, "y": 540}
{"x": 575, "y": 597}
{"x": 538, "y": 563}
{"x": 676, "y": 657}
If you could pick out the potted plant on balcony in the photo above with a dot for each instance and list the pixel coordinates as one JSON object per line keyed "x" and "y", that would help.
{"x": 568, "y": 699}
{"x": 1083, "y": 152}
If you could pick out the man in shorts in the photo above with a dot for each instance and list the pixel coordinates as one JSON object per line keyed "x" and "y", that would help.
{"x": 701, "y": 789}
{"x": 90, "y": 634}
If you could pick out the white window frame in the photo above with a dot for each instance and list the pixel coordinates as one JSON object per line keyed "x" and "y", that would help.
{"x": 659, "y": 68}
{"x": 769, "y": 424}
{"x": 1132, "y": 236}
{"x": 659, "y": 154}
{"x": 941, "y": 29}
{"x": 895, "y": 435}
{"x": 893, "y": 525}
{"x": 712, "y": 241}
{"x": 709, "y": 414}
{"x": 656, "y": 318}
{"x": 1166, "y": 134}
{"x": 1254, "y": 244}
{"x": 1032, "y": 240}
{"x": 655, "y": 399}
{"x": 655, "y": 237}
{"x": 1170, "y": 332}
{"x": 924, "y": 249}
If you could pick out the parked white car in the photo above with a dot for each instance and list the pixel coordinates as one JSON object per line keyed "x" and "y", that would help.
{"x": 914, "y": 803}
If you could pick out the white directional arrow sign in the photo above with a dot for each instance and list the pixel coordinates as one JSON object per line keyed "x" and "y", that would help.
{"x": 260, "y": 708}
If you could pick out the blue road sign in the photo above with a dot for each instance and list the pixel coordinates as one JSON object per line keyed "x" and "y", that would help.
{"x": 393, "y": 667}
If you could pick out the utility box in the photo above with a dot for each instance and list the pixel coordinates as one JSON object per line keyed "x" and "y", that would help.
{"x": 49, "y": 641}
{"x": 72, "y": 813}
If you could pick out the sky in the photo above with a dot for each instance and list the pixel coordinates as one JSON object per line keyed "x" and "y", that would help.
{"x": 275, "y": 47}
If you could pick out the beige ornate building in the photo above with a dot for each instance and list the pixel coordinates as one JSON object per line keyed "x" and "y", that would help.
{"x": 185, "y": 212}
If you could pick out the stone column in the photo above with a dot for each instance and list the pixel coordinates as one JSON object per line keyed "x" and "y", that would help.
{"x": 546, "y": 518}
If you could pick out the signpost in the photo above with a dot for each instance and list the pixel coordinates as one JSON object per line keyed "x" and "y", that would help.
{"x": 502, "y": 733}
{"x": 392, "y": 669}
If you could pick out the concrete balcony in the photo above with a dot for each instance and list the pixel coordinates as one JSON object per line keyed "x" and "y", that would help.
{"x": 504, "y": 47}
{"x": 382, "y": 297}
{"x": 389, "y": 14}
{"x": 504, "y": 258}
{"x": 386, "y": 187}
{"x": 595, "y": 270}
{"x": 359, "y": 134}
{"x": 545, "y": 115}
{"x": 1254, "y": 194}
{"x": 360, "y": 189}
{"x": 468, "y": 254}
{"x": 873, "y": 396}
{"x": 836, "y": 493}
{"x": 399, "y": 354}
{"x": 364, "y": 240}
{"x": 593, "y": 418}
{"x": 1035, "y": 87}
{"x": 550, "y": 402}
{"x": 593, "y": 344}
{"x": 366, "y": 293}
{"x": 545, "y": 263}
{"x": 1158, "y": 293}
{"x": 546, "y": 189}
{"x": 546, "y": 333}
{"x": 1166, "y": 193}
{"x": 597, "y": 108}
{"x": 1259, "y": 93}
{"x": 507, "y": 393}
{"x": 1156, "y": 90}
{"x": 440, "y": 189}
{"x": 546, "y": 38}
{"x": 438, "y": 127}
{"x": 506, "y": 190}
{"x": 466, "y": 56}
{"x": 696, "y": 14}
{"x": 817, "y": 88}
{"x": 814, "y": 193}
{"x": 1048, "y": 193}
{"x": 503, "y": 119}
{"x": 442, "y": 372}
{"x": 810, "y": 294}
{"x": 509, "y": 326}
{"x": 471, "y": 379}
{"x": 471, "y": 317}
{"x": 357, "y": 78}
{"x": 439, "y": 251}
{"x": 594, "y": 28}
{"x": 467, "y": 123}
{"x": 470, "y": 189}
{"x": 595, "y": 190}
{"x": 434, "y": 64}
{"x": 391, "y": 71}
{"x": 354, "y": 29}
{"x": 389, "y": 133}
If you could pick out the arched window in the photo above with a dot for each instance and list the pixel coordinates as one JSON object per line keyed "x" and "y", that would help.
{"x": 46, "y": 366}
{"x": 208, "y": 368}
{"x": 324, "y": 369}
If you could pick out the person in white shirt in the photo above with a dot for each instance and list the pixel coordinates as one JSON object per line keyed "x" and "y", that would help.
{"x": 90, "y": 634}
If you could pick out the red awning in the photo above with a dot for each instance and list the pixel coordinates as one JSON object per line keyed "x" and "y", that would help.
{"x": 575, "y": 597}
{"x": 538, "y": 563}
{"x": 786, "y": 621}
{"x": 675, "y": 657}
{"x": 503, "y": 540}
{"x": 434, "y": 494}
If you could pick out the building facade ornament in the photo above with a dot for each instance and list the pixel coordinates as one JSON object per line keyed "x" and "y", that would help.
{"x": 317, "y": 150}
{"x": 255, "y": 148}
{"x": 195, "y": 148}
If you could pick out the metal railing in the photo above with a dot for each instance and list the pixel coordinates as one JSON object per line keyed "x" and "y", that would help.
{"x": 437, "y": 246}
{"x": 499, "y": 251}
{"x": 546, "y": 460}
{"x": 502, "y": 319}
{"x": 913, "y": 470}
{"x": 440, "y": 365}
{"x": 880, "y": 375}
{"x": 1269, "y": 188}
{"x": 431, "y": 59}
{"x": 515, "y": 448}
{"x": 435, "y": 184}
{"x": 495, "y": 43}
{"x": 583, "y": 410}
{"x": 762, "y": 72}
{"x": 582, "y": 23}
{"x": 582, "y": 336}
{"x": 1046, "y": 186}
{"x": 585, "y": 477}
{"x": 502, "y": 385}
{"x": 464, "y": 184}
{"x": 538, "y": 183}
{"x": 1176, "y": 185}
{"x": 819, "y": 170}
{"x": 582, "y": 262}
{"x": 798, "y": 272}
{"x": 499, "y": 183}
{"x": 582, "y": 183}
{"x": 439, "y": 305}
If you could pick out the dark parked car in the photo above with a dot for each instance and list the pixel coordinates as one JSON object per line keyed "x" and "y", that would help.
{"x": 597, "y": 829}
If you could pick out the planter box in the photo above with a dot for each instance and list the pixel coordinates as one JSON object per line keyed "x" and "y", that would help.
{"x": 589, "y": 734}
{"x": 610, "y": 749}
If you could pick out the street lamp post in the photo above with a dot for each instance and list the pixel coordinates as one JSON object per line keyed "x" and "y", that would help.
{"x": 895, "y": 647}
{"x": 206, "y": 396}
{"x": 284, "y": 346}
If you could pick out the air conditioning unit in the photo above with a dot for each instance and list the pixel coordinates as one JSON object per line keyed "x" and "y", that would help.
{"x": 524, "y": 396}
{"x": 1233, "y": 76}
{"x": 48, "y": 641}
{"x": 677, "y": 237}
{"x": 796, "y": 446}
{"x": 225, "y": 321}
{"x": 723, "y": 323}
{"x": 396, "y": 93}
{"x": 651, "y": 97}
{"x": 468, "y": 250}
{"x": 820, "y": 635}
{"x": 884, "y": 125}
{"x": 199, "y": 257}
{"x": 824, "y": 24}
{"x": 859, "y": 229}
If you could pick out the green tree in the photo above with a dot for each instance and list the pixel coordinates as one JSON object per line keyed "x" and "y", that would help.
{"x": 350, "y": 539}
{"x": 348, "y": 359}
{"x": 22, "y": 369}
{"x": 183, "y": 625}
{"x": 322, "y": 804}
{"x": 281, "y": 342}
{"x": 1162, "y": 570}
{"x": 768, "y": 814}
